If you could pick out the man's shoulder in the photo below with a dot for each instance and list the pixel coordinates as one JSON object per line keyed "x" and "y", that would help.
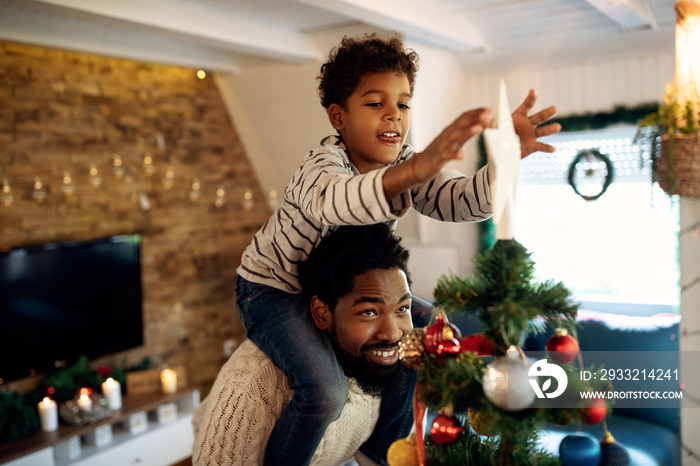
{"x": 251, "y": 360}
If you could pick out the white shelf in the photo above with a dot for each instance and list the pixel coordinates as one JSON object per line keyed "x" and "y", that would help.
{"x": 160, "y": 444}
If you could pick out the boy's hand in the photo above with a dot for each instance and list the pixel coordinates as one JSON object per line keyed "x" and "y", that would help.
{"x": 447, "y": 146}
{"x": 528, "y": 128}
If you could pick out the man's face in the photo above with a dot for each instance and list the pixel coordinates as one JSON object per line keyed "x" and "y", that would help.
{"x": 366, "y": 326}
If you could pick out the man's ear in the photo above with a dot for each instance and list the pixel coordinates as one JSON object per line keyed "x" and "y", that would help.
{"x": 335, "y": 116}
{"x": 320, "y": 313}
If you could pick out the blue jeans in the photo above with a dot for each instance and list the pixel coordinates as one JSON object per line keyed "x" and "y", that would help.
{"x": 280, "y": 324}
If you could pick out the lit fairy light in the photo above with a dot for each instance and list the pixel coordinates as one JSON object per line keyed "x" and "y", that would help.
{"x": 67, "y": 188}
{"x": 39, "y": 194}
{"x": 195, "y": 190}
{"x": 169, "y": 179}
{"x": 6, "y": 197}
{"x": 220, "y": 199}
{"x": 201, "y": 74}
{"x": 148, "y": 167}
{"x": 95, "y": 180}
{"x": 118, "y": 166}
{"x": 248, "y": 201}
{"x": 273, "y": 199}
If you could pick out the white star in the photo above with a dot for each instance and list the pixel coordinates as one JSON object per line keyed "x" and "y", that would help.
{"x": 503, "y": 148}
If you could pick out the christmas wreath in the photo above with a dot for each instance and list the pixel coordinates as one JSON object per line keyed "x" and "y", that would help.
{"x": 589, "y": 155}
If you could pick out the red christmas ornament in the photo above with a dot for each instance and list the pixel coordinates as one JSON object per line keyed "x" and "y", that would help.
{"x": 451, "y": 347}
{"x": 440, "y": 331}
{"x": 562, "y": 347}
{"x": 595, "y": 411}
{"x": 445, "y": 429}
{"x": 479, "y": 344}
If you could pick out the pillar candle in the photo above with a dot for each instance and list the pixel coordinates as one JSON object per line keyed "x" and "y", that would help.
{"x": 112, "y": 390}
{"x": 48, "y": 415}
{"x": 168, "y": 379}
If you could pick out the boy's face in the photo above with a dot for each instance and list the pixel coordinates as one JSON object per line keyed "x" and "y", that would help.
{"x": 375, "y": 120}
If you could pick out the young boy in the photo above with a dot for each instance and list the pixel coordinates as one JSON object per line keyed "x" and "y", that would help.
{"x": 365, "y": 174}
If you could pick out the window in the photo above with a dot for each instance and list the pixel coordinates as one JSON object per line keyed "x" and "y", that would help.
{"x": 616, "y": 254}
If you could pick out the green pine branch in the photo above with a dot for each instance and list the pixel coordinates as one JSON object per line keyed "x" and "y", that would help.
{"x": 503, "y": 294}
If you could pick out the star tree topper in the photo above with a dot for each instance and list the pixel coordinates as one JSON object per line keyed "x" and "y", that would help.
{"x": 503, "y": 149}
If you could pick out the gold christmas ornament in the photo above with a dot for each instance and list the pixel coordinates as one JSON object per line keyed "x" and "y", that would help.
{"x": 403, "y": 452}
{"x": 412, "y": 349}
{"x": 482, "y": 423}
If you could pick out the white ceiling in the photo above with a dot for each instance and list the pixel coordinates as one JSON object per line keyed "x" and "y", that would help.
{"x": 482, "y": 34}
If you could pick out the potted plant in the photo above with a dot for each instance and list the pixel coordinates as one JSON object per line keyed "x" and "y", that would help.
{"x": 673, "y": 133}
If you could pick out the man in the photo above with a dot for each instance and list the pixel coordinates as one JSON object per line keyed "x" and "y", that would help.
{"x": 357, "y": 285}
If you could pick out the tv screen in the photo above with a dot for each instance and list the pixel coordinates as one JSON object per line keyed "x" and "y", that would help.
{"x": 61, "y": 300}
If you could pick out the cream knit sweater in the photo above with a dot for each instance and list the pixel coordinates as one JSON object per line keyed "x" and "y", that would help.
{"x": 234, "y": 421}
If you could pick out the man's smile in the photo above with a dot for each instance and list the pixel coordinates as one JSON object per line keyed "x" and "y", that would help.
{"x": 383, "y": 355}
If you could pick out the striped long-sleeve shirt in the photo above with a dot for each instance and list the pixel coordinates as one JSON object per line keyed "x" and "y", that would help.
{"x": 327, "y": 191}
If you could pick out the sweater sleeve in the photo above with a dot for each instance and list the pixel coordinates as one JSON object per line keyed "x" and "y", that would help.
{"x": 234, "y": 422}
{"x": 453, "y": 197}
{"x": 326, "y": 189}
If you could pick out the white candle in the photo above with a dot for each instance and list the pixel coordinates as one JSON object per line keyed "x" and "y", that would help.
{"x": 112, "y": 390}
{"x": 48, "y": 415}
{"x": 84, "y": 401}
{"x": 168, "y": 378}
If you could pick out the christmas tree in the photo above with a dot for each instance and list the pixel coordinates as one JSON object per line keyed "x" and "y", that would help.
{"x": 455, "y": 382}
{"x": 478, "y": 387}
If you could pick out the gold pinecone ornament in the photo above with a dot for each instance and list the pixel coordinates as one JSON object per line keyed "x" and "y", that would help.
{"x": 412, "y": 348}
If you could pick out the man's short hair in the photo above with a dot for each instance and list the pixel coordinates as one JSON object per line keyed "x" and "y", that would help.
{"x": 332, "y": 266}
{"x": 357, "y": 57}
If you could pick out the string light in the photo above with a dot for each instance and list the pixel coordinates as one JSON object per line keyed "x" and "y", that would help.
{"x": 67, "y": 188}
{"x": 220, "y": 196}
{"x": 39, "y": 194}
{"x": 201, "y": 74}
{"x": 95, "y": 180}
{"x": 169, "y": 179}
{"x": 195, "y": 193}
{"x": 6, "y": 197}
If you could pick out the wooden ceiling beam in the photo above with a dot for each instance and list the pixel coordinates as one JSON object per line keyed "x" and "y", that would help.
{"x": 416, "y": 19}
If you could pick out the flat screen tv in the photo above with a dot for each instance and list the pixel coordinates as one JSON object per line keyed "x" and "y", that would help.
{"x": 62, "y": 300}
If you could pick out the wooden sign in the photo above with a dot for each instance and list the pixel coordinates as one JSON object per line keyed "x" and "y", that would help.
{"x": 148, "y": 381}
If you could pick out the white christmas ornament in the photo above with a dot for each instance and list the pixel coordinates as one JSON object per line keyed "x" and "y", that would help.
{"x": 506, "y": 383}
{"x": 503, "y": 147}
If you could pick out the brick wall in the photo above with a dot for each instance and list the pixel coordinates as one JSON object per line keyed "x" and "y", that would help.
{"x": 63, "y": 112}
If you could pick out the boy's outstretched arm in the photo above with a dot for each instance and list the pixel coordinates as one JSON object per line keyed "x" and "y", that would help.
{"x": 446, "y": 146}
{"x": 528, "y": 129}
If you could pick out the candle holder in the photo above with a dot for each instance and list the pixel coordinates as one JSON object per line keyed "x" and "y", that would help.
{"x": 72, "y": 413}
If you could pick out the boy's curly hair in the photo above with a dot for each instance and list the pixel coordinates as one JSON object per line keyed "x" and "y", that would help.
{"x": 354, "y": 58}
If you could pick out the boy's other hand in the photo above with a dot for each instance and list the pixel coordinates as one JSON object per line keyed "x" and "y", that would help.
{"x": 528, "y": 129}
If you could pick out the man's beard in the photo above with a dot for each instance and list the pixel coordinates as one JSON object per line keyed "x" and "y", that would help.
{"x": 376, "y": 380}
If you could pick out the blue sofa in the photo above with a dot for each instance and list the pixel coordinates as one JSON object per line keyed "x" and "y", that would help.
{"x": 650, "y": 435}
